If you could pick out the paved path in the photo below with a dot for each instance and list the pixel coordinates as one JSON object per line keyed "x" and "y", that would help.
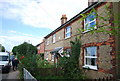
{"x": 11, "y": 76}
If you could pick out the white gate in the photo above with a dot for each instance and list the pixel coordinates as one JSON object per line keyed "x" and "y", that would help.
{"x": 28, "y": 76}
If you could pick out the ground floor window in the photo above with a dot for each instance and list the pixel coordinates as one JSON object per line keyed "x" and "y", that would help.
{"x": 67, "y": 52}
{"x": 47, "y": 55}
{"x": 90, "y": 57}
{"x": 52, "y": 57}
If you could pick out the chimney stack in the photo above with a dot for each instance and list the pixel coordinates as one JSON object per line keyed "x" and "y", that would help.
{"x": 63, "y": 19}
{"x": 90, "y": 2}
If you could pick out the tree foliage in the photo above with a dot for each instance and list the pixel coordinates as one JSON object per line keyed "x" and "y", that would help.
{"x": 70, "y": 65}
{"x": 2, "y": 48}
{"x": 111, "y": 29}
{"x": 25, "y": 49}
{"x": 26, "y": 53}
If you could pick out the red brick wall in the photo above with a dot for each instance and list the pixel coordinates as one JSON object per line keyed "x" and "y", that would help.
{"x": 111, "y": 43}
{"x": 42, "y": 47}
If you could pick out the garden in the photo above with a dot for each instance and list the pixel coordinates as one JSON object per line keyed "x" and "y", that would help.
{"x": 68, "y": 67}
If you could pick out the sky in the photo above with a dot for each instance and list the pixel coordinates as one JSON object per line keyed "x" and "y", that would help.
{"x": 31, "y": 20}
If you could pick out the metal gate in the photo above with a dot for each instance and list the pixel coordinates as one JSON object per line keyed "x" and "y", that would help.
{"x": 28, "y": 76}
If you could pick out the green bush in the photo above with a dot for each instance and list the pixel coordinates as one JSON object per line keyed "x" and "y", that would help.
{"x": 70, "y": 65}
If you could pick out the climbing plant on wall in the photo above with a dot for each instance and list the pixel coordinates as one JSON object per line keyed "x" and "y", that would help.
{"x": 70, "y": 65}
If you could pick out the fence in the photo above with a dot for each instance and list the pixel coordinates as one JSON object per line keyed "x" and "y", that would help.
{"x": 46, "y": 72}
{"x": 101, "y": 79}
{"x": 28, "y": 76}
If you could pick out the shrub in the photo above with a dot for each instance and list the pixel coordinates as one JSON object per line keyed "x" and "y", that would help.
{"x": 70, "y": 65}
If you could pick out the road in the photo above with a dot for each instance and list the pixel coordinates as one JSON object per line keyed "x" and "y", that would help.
{"x": 12, "y": 75}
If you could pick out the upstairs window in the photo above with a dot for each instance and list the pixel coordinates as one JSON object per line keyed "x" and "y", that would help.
{"x": 68, "y": 32}
{"x": 90, "y": 58}
{"x": 47, "y": 41}
{"x": 54, "y": 36}
{"x": 90, "y": 22}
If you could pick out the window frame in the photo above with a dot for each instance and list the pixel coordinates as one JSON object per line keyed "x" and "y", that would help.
{"x": 54, "y": 38}
{"x": 68, "y": 52}
{"x": 91, "y": 21}
{"x": 89, "y": 57}
{"x": 67, "y": 32}
{"x": 52, "y": 57}
{"x": 47, "y": 55}
{"x": 47, "y": 41}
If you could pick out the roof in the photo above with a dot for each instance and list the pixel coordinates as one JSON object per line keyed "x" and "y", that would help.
{"x": 56, "y": 50}
{"x": 37, "y": 45}
{"x": 75, "y": 17}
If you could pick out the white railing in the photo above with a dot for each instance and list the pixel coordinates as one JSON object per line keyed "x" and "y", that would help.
{"x": 28, "y": 76}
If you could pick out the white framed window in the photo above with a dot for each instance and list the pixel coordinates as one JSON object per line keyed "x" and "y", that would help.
{"x": 90, "y": 22}
{"x": 68, "y": 52}
{"x": 68, "y": 32}
{"x": 47, "y": 55}
{"x": 54, "y": 36}
{"x": 90, "y": 57}
{"x": 47, "y": 41}
{"x": 52, "y": 57}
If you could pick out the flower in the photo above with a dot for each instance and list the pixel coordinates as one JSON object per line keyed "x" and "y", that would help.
{"x": 22, "y": 57}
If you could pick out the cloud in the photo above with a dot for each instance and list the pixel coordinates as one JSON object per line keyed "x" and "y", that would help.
{"x": 19, "y": 33}
{"x": 41, "y": 13}
{"x": 16, "y": 38}
{"x": 36, "y": 13}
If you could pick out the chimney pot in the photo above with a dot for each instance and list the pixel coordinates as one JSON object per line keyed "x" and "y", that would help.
{"x": 90, "y": 2}
{"x": 63, "y": 19}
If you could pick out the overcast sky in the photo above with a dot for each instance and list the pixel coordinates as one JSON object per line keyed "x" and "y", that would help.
{"x": 31, "y": 20}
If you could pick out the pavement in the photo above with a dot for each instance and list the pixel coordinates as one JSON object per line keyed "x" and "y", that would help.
{"x": 11, "y": 76}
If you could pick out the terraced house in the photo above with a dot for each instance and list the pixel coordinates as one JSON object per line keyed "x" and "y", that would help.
{"x": 100, "y": 51}
{"x": 40, "y": 48}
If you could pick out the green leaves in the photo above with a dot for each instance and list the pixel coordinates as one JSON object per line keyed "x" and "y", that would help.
{"x": 105, "y": 18}
{"x": 71, "y": 64}
{"x": 2, "y": 48}
{"x": 25, "y": 49}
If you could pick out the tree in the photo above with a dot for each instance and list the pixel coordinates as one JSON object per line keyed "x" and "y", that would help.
{"x": 26, "y": 53}
{"x": 25, "y": 49}
{"x": 2, "y": 48}
{"x": 70, "y": 65}
{"x": 14, "y": 50}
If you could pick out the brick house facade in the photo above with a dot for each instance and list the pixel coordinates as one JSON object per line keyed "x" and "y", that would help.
{"x": 41, "y": 48}
{"x": 99, "y": 50}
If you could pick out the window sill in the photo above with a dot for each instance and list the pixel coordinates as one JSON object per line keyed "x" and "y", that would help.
{"x": 90, "y": 67}
{"x": 95, "y": 28}
{"x": 53, "y": 42}
{"x": 52, "y": 60}
{"x": 67, "y": 37}
{"x": 86, "y": 31}
{"x": 46, "y": 58}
